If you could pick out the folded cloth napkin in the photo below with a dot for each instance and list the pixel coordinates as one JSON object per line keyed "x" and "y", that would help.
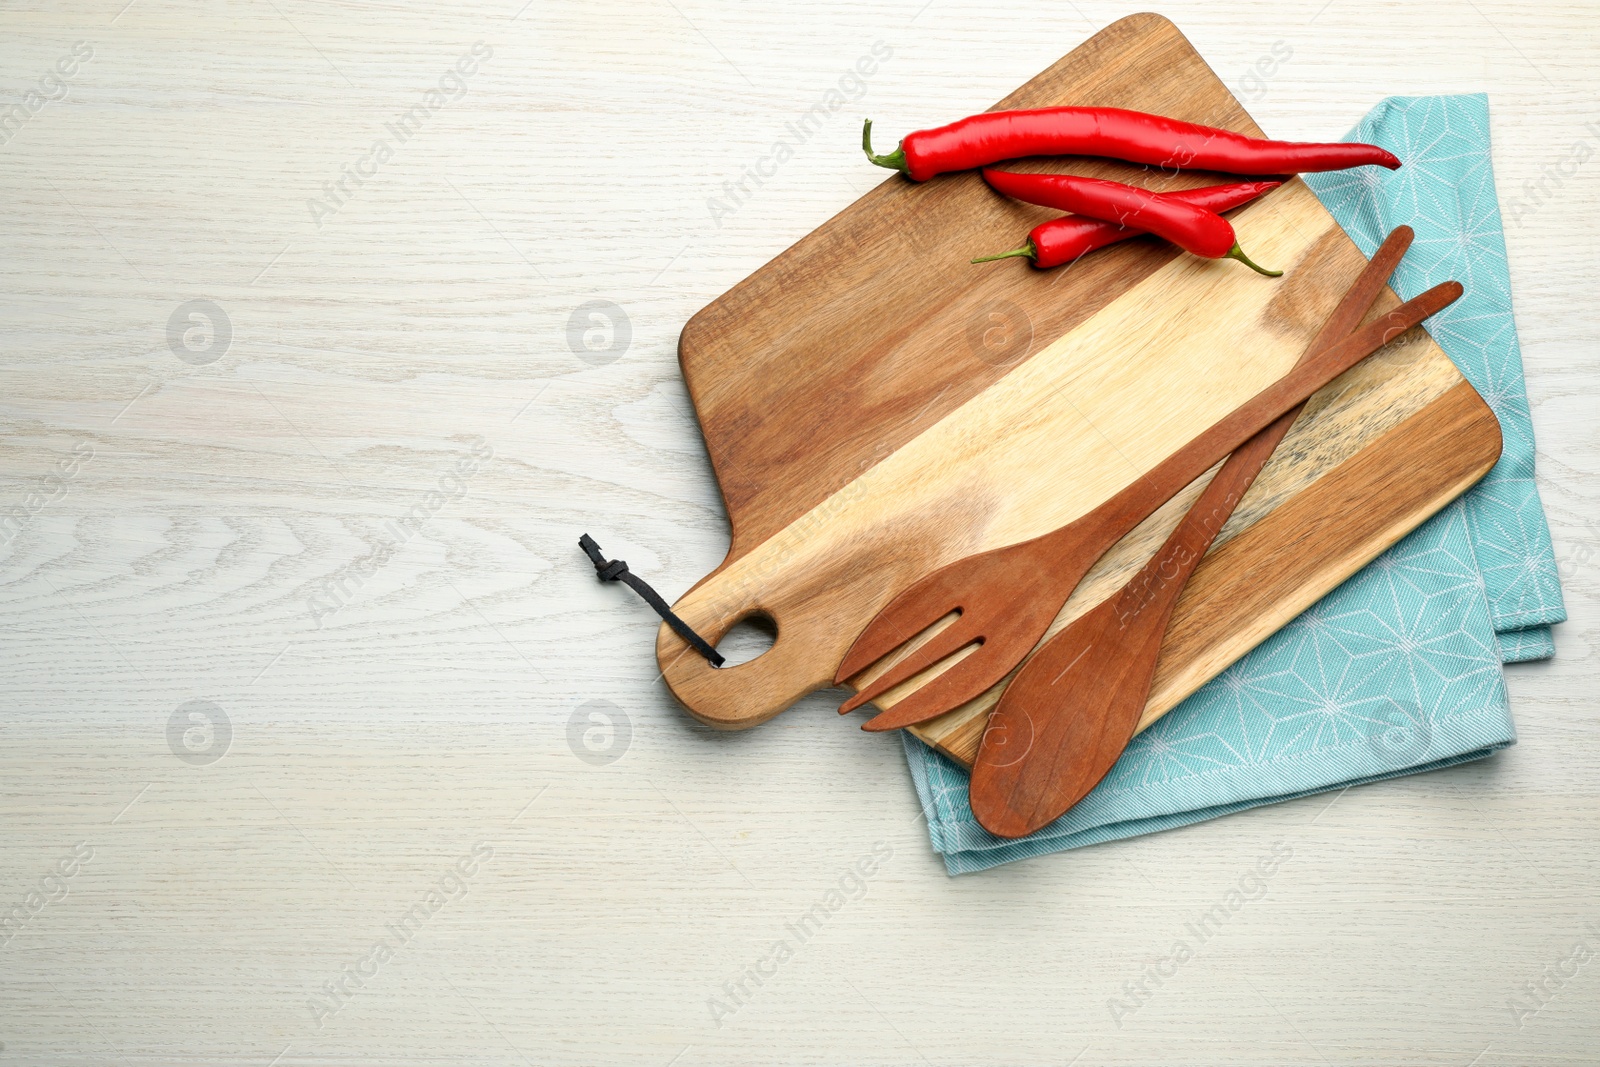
{"x": 1399, "y": 669}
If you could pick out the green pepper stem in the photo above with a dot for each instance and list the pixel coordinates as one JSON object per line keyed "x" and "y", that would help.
{"x": 1238, "y": 253}
{"x": 895, "y": 160}
{"x": 1026, "y": 250}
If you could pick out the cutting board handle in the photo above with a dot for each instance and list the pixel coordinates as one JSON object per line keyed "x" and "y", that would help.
{"x": 808, "y": 647}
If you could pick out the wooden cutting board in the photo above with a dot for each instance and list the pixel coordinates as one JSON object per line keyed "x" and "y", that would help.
{"x": 875, "y": 407}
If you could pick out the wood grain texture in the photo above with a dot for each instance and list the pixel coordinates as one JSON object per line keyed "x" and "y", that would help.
{"x": 878, "y": 305}
{"x": 368, "y": 754}
{"x": 1159, "y": 347}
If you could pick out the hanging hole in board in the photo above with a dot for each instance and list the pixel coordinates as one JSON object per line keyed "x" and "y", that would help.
{"x": 748, "y": 638}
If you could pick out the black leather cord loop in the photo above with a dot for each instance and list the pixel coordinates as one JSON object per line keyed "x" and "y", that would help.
{"x": 616, "y": 570}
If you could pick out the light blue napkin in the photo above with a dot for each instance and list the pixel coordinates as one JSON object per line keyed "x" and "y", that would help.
{"x": 1399, "y": 669}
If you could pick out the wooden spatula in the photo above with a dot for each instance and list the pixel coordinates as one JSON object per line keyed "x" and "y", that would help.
{"x": 1006, "y": 598}
{"x": 1067, "y": 716}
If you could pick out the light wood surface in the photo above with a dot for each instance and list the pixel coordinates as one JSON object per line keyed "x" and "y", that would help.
{"x": 431, "y": 711}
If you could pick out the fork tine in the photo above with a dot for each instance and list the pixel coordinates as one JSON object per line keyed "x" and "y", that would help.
{"x": 902, "y": 619}
{"x": 967, "y": 679}
{"x": 951, "y": 639}
{"x": 875, "y": 642}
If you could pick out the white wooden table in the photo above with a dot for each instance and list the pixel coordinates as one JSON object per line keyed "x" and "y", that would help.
{"x": 381, "y": 750}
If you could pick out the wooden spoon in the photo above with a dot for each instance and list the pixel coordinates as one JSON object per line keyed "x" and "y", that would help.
{"x": 1066, "y": 717}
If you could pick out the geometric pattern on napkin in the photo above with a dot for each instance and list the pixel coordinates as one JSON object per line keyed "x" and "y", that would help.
{"x": 1445, "y": 191}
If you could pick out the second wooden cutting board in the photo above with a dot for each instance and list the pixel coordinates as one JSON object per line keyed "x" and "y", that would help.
{"x": 876, "y": 407}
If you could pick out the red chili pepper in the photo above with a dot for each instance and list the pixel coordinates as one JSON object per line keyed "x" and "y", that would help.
{"x": 1135, "y": 136}
{"x": 1063, "y": 240}
{"x": 1194, "y": 229}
